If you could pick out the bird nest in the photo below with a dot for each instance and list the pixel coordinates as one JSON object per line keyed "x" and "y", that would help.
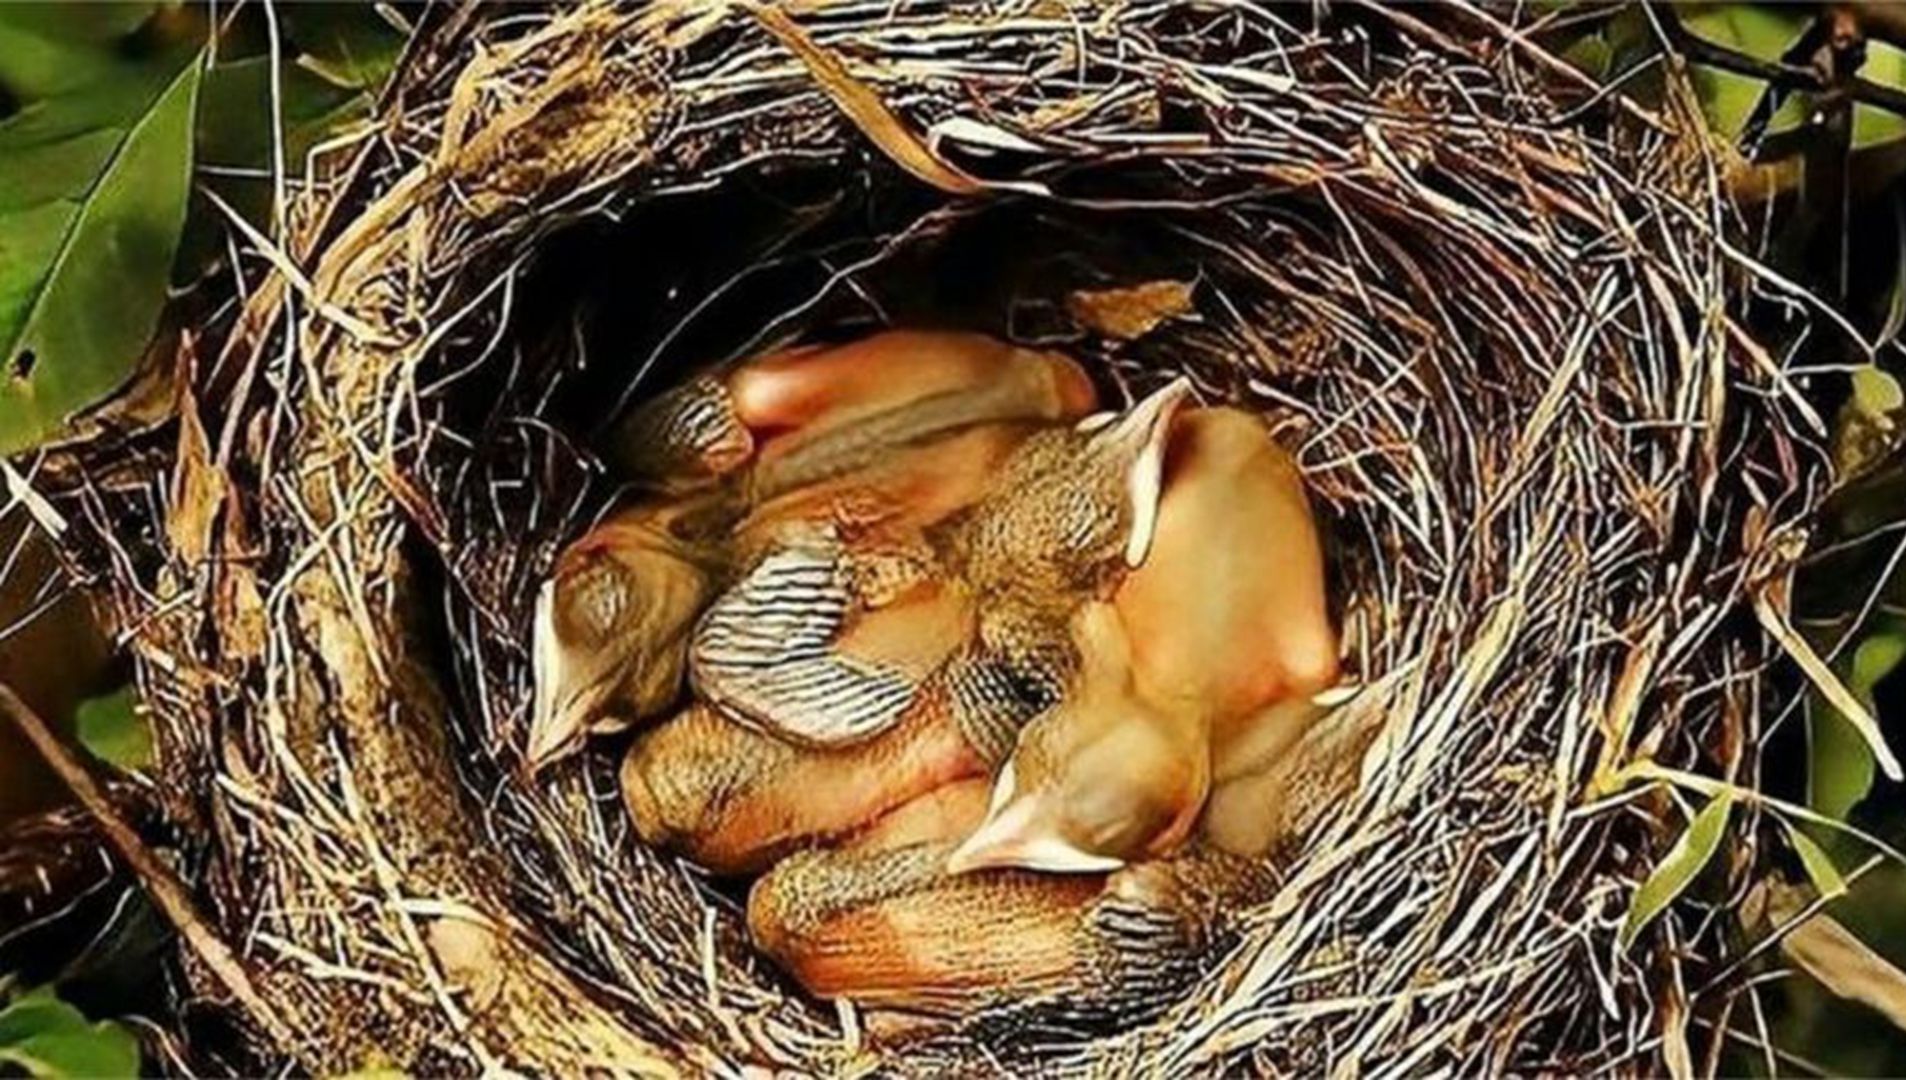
{"x": 1492, "y": 315}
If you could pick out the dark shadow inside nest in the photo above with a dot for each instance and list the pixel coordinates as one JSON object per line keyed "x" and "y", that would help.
{"x": 611, "y": 310}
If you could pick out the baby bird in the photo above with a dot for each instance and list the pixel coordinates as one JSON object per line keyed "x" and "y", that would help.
{"x": 1235, "y": 611}
{"x": 683, "y": 439}
{"x": 1269, "y": 791}
{"x": 1225, "y": 618}
{"x": 948, "y": 812}
{"x": 874, "y": 918}
{"x": 614, "y": 622}
{"x": 609, "y": 643}
{"x": 735, "y": 800}
{"x": 1296, "y": 762}
{"x": 707, "y": 428}
{"x": 831, "y": 412}
{"x": 815, "y": 388}
{"x": 1070, "y": 819}
{"x": 1072, "y": 511}
{"x": 886, "y": 928}
{"x": 838, "y": 623}
{"x": 880, "y": 430}
{"x": 1068, "y": 511}
{"x": 879, "y": 921}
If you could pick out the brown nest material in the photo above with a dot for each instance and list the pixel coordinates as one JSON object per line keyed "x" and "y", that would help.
{"x": 1495, "y": 317}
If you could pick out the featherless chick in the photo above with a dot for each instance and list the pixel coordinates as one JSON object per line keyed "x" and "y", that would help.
{"x": 877, "y": 919}
{"x": 1226, "y": 619}
{"x": 752, "y": 464}
{"x": 1065, "y": 513}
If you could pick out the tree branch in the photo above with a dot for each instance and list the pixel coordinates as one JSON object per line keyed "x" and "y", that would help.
{"x": 169, "y": 894}
{"x": 1783, "y": 75}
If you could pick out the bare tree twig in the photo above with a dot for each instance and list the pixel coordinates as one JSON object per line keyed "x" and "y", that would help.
{"x": 1784, "y": 75}
{"x": 168, "y": 892}
{"x": 1522, "y": 43}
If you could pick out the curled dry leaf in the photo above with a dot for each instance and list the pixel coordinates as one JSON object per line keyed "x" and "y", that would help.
{"x": 1130, "y": 312}
{"x": 1831, "y": 953}
{"x": 241, "y": 610}
{"x": 467, "y": 950}
{"x": 865, "y": 109}
{"x": 201, "y": 489}
{"x": 198, "y": 487}
{"x": 1768, "y": 605}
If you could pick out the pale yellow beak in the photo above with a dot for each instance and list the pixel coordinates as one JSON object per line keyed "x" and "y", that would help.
{"x": 1018, "y": 836}
{"x": 549, "y": 742}
{"x": 559, "y": 710}
{"x": 1142, "y": 433}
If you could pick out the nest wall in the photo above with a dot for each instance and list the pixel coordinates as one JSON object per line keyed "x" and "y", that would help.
{"x": 1497, "y": 329}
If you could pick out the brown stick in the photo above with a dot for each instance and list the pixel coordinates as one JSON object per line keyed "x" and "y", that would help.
{"x": 1777, "y": 73}
{"x": 167, "y": 891}
{"x": 1518, "y": 41}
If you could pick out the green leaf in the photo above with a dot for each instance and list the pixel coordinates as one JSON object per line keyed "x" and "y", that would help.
{"x": 1816, "y": 862}
{"x": 1593, "y": 54}
{"x": 51, "y": 49}
{"x": 34, "y": 1012}
{"x": 351, "y": 45}
{"x": 112, "y": 730}
{"x": 235, "y": 113}
{"x": 1840, "y": 764}
{"x": 1875, "y": 392}
{"x": 100, "y": 1050}
{"x": 1867, "y": 429}
{"x": 1678, "y": 869}
{"x": 1613, "y": 48}
{"x": 1727, "y": 99}
{"x": 48, "y": 1038}
{"x": 1761, "y": 31}
{"x": 234, "y": 143}
{"x": 1886, "y": 65}
{"x": 91, "y": 208}
{"x": 99, "y": 22}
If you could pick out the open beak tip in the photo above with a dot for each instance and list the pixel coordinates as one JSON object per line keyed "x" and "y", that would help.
{"x": 965, "y": 859}
{"x": 539, "y": 756}
{"x": 548, "y": 742}
{"x": 1170, "y": 397}
{"x": 983, "y": 850}
{"x": 1146, "y": 480}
